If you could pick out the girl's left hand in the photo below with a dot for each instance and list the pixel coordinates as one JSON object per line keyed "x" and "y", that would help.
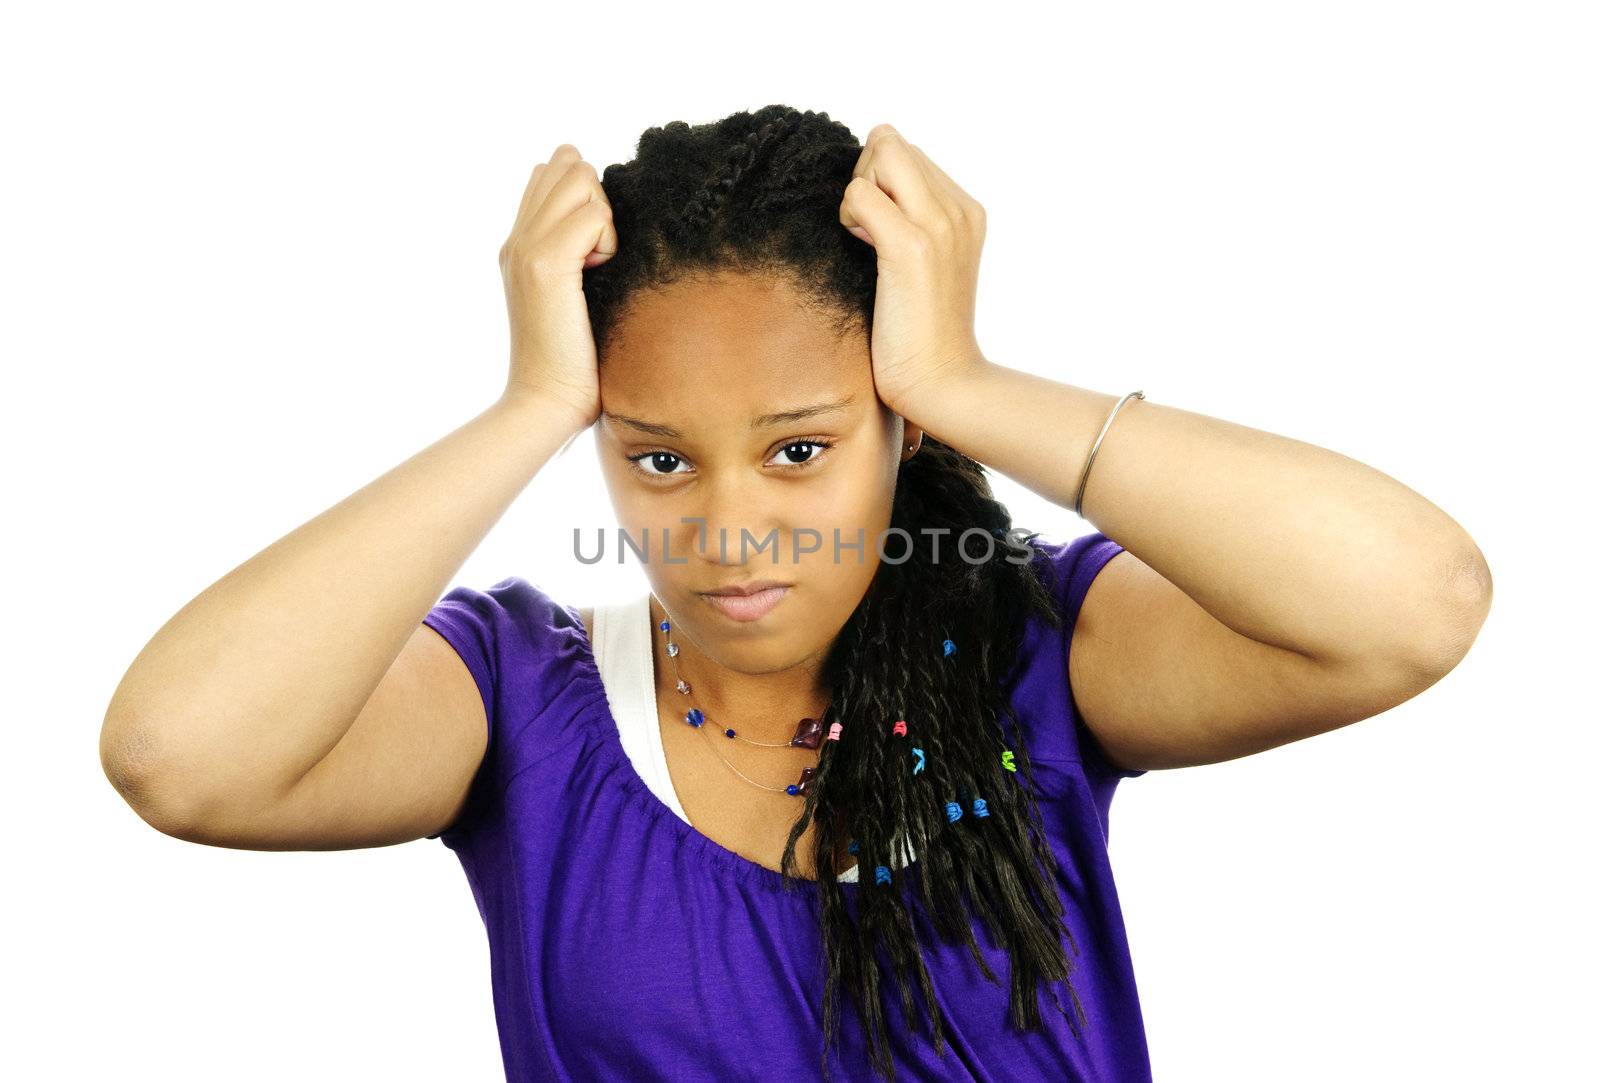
{"x": 928, "y": 234}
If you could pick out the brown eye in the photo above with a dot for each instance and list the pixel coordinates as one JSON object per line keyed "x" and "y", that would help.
{"x": 799, "y": 454}
{"x": 662, "y": 462}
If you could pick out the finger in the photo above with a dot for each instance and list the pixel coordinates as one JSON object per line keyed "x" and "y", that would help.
{"x": 589, "y": 229}
{"x": 545, "y": 174}
{"x": 941, "y": 181}
{"x": 889, "y": 162}
{"x": 605, "y": 245}
{"x": 867, "y": 206}
{"x": 576, "y": 185}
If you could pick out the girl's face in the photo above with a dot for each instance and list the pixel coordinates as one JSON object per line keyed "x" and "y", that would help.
{"x": 697, "y": 452}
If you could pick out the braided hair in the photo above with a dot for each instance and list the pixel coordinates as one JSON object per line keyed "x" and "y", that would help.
{"x": 759, "y": 192}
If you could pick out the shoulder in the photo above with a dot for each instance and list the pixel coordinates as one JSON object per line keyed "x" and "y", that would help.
{"x": 513, "y": 607}
{"x": 1043, "y": 683}
{"x": 1072, "y": 566}
{"x": 529, "y": 655}
{"x": 512, "y": 634}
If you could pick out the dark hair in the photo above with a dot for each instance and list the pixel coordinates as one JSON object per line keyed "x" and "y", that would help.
{"x": 759, "y": 192}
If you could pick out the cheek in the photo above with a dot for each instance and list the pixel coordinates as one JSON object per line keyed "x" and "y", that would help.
{"x": 869, "y": 504}
{"x": 858, "y": 493}
{"x": 860, "y": 511}
{"x": 835, "y": 587}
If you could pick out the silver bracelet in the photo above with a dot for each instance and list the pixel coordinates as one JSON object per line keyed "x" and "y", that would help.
{"x": 1083, "y": 482}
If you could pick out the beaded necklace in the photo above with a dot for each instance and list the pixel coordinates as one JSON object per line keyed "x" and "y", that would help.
{"x": 807, "y": 735}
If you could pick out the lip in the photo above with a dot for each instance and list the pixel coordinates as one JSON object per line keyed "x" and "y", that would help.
{"x": 748, "y": 607}
{"x": 746, "y": 588}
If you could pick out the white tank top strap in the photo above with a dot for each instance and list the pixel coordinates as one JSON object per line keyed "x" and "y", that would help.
{"x": 627, "y": 669}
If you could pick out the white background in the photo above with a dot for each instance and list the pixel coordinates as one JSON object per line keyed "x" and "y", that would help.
{"x": 249, "y": 264}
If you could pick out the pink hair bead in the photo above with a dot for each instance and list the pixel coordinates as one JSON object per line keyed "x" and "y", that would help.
{"x": 834, "y": 731}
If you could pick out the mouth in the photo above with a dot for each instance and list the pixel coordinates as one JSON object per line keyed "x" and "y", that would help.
{"x": 748, "y": 603}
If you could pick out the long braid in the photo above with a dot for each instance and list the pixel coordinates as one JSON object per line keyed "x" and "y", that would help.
{"x": 760, "y": 192}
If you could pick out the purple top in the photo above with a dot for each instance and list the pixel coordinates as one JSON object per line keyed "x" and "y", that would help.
{"x": 626, "y": 945}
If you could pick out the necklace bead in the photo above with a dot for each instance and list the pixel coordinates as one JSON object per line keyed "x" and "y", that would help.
{"x": 807, "y": 735}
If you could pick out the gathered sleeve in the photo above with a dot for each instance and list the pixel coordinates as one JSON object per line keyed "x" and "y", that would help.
{"x": 521, "y": 648}
{"x": 1074, "y": 565}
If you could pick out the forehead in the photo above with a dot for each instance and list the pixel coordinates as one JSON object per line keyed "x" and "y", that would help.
{"x": 735, "y": 342}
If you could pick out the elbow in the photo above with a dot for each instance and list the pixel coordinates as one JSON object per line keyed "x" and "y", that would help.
{"x": 1469, "y": 585}
{"x": 1441, "y": 654}
{"x": 127, "y": 756}
{"x": 1469, "y": 591}
{"x": 133, "y": 762}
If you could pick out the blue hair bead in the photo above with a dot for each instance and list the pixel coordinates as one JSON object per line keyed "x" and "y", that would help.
{"x": 883, "y": 874}
{"x": 854, "y": 846}
{"x": 917, "y": 752}
{"x": 952, "y": 809}
{"x": 949, "y": 648}
{"x": 980, "y": 807}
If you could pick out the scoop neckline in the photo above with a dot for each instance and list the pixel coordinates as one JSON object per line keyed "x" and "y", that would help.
{"x": 633, "y": 783}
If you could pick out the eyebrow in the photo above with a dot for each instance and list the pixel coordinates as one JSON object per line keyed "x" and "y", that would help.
{"x": 762, "y": 421}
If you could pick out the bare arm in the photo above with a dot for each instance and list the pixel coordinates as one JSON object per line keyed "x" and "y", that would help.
{"x": 255, "y": 681}
{"x": 1272, "y": 590}
{"x": 299, "y": 702}
{"x": 1287, "y": 543}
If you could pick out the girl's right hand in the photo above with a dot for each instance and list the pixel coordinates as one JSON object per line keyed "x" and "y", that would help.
{"x": 563, "y": 226}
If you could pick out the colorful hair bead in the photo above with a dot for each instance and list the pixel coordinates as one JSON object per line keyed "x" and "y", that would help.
{"x": 834, "y": 731}
{"x": 1005, "y": 760}
{"x": 900, "y": 728}
{"x": 952, "y": 809}
{"x": 980, "y": 807}
{"x": 854, "y": 846}
{"x": 949, "y": 648}
{"x": 883, "y": 874}
{"x": 917, "y": 752}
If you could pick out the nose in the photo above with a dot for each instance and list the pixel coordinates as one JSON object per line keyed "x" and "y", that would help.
{"x": 725, "y": 544}
{"x": 735, "y": 527}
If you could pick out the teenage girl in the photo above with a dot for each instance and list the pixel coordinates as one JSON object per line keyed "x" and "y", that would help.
{"x": 869, "y": 762}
